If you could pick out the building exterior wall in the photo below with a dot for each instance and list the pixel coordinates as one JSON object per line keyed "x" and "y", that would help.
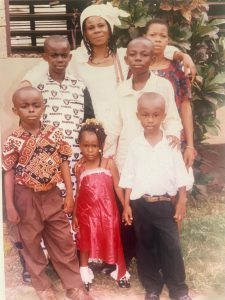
{"x": 12, "y": 71}
{"x": 3, "y": 28}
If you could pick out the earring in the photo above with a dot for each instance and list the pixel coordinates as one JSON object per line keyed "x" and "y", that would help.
{"x": 100, "y": 151}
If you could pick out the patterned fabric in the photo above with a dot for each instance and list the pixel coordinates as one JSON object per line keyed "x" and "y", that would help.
{"x": 36, "y": 159}
{"x": 180, "y": 82}
{"x": 67, "y": 105}
{"x": 64, "y": 108}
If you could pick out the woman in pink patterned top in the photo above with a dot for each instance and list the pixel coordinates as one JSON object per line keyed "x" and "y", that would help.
{"x": 157, "y": 32}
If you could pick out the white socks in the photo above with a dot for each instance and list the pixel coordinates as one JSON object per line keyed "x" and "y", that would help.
{"x": 86, "y": 274}
{"x": 114, "y": 274}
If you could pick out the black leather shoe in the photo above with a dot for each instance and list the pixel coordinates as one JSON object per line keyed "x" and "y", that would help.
{"x": 151, "y": 296}
{"x": 124, "y": 283}
{"x": 87, "y": 286}
{"x": 107, "y": 269}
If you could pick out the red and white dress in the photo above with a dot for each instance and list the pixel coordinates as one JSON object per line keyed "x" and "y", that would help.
{"x": 98, "y": 218}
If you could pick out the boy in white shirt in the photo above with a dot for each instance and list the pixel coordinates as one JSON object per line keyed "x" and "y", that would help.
{"x": 124, "y": 126}
{"x": 152, "y": 175}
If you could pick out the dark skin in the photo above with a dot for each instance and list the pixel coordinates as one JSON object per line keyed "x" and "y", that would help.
{"x": 139, "y": 57}
{"x": 57, "y": 54}
{"x": 151, "y": 112}
{"x": 159, "y": 36}
{"x": 89, "y": 147}
{"x": 28, "y": 105}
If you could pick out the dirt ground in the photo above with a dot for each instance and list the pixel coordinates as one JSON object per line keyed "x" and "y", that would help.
{"x": 103, "y": 288}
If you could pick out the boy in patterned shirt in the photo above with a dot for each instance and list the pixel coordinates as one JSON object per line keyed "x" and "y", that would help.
{"x": 37, "y": 156}
{"x": 67, "y": 100}
{"x": 67, "y": 104}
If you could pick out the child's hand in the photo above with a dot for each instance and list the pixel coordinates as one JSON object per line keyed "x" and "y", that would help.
{"x": 174, "y": 141}
{"x": 180, "y": 210}
{"x": 68, "y": 204}
{"x": 127, "y": 217}
{"x": 12, "y": 215}
{"x": 75, "y": 224}
{"x": 189, "y": 157}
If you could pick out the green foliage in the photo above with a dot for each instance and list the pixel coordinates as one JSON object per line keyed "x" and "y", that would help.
{"x": 203, "y": 247}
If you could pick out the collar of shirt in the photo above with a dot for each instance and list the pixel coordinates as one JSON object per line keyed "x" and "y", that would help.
{"x": 68, "y": 76}
{"x": 127, "y": 87}
{"x": 143, "y": 141}
{"x": 24, "y": 131}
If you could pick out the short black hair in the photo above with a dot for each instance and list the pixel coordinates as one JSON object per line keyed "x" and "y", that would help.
{"x": 55, "y": 38}
{"x": 156, "y": 21}
{"x": 28, "y": 88}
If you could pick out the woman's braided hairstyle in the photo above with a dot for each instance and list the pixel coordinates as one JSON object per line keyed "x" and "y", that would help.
{"x": 92, "y": 125}
{"x": 111, "y": 42}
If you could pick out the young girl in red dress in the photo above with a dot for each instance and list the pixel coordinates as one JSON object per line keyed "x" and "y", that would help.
{"x": 95, "y": 216}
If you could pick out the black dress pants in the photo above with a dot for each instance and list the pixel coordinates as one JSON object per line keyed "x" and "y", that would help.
{"x": 159, "y": 257}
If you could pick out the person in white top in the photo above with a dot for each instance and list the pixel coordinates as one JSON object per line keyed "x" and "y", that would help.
{"x": 152, "y": 175}
{"x": 123, "y": 125}
{"x": 98, "y": 62}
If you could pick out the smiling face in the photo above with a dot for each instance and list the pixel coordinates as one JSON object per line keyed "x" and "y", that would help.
{"x": 89, "y": 146}
{"x": 158, "y": 35}
{"x": 57, "y": 54}
{"x": 97, "y": 31}
{"x": 139, "y": 55}
{"x": 28, "y": 105}
{"x": 151, "y": 111}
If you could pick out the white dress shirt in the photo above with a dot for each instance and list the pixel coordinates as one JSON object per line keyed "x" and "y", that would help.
{"x": 154, "y": 170}
{"x": 123, "y": 125}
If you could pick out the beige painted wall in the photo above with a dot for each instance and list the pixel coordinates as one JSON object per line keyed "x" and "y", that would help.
{"x": 12, "y": 71}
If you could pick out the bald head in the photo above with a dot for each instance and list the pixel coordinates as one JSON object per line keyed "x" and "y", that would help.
{"x": 150, "y": 100}
{"x": 140, "y": 40}
{"x": 24, "y": 92}
{"x": 54, "y": 40}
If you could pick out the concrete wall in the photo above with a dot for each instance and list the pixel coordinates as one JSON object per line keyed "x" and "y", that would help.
{"x": 12, "y": 71}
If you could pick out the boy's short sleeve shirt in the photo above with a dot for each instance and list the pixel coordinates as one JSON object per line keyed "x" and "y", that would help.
{"x": 154, "y": 170}
{"x": 36, "y": 159}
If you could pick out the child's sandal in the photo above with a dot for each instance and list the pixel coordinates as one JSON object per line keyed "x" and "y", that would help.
{"x": 26, "y": 277}
{"x": 124, "y": 283}
{"x": 87, "y": 286}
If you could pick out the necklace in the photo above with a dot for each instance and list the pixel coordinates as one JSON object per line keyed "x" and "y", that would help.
{"x": 106, "y": 58}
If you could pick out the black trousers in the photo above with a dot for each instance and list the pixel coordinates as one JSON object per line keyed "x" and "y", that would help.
{"x": 159, "y": 257}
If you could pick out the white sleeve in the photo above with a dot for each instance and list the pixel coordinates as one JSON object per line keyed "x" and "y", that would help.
{"x": 128, "y": 171}
{"x": 37, "y": 73}
{"x": 183, "y": 177}
{"x": 169, "y": 52}
{"x": 114, "y": 125}
{"x": 172, "y": 122}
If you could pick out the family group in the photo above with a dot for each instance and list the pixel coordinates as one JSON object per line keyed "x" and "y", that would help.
{"x": 101, "y": 162}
